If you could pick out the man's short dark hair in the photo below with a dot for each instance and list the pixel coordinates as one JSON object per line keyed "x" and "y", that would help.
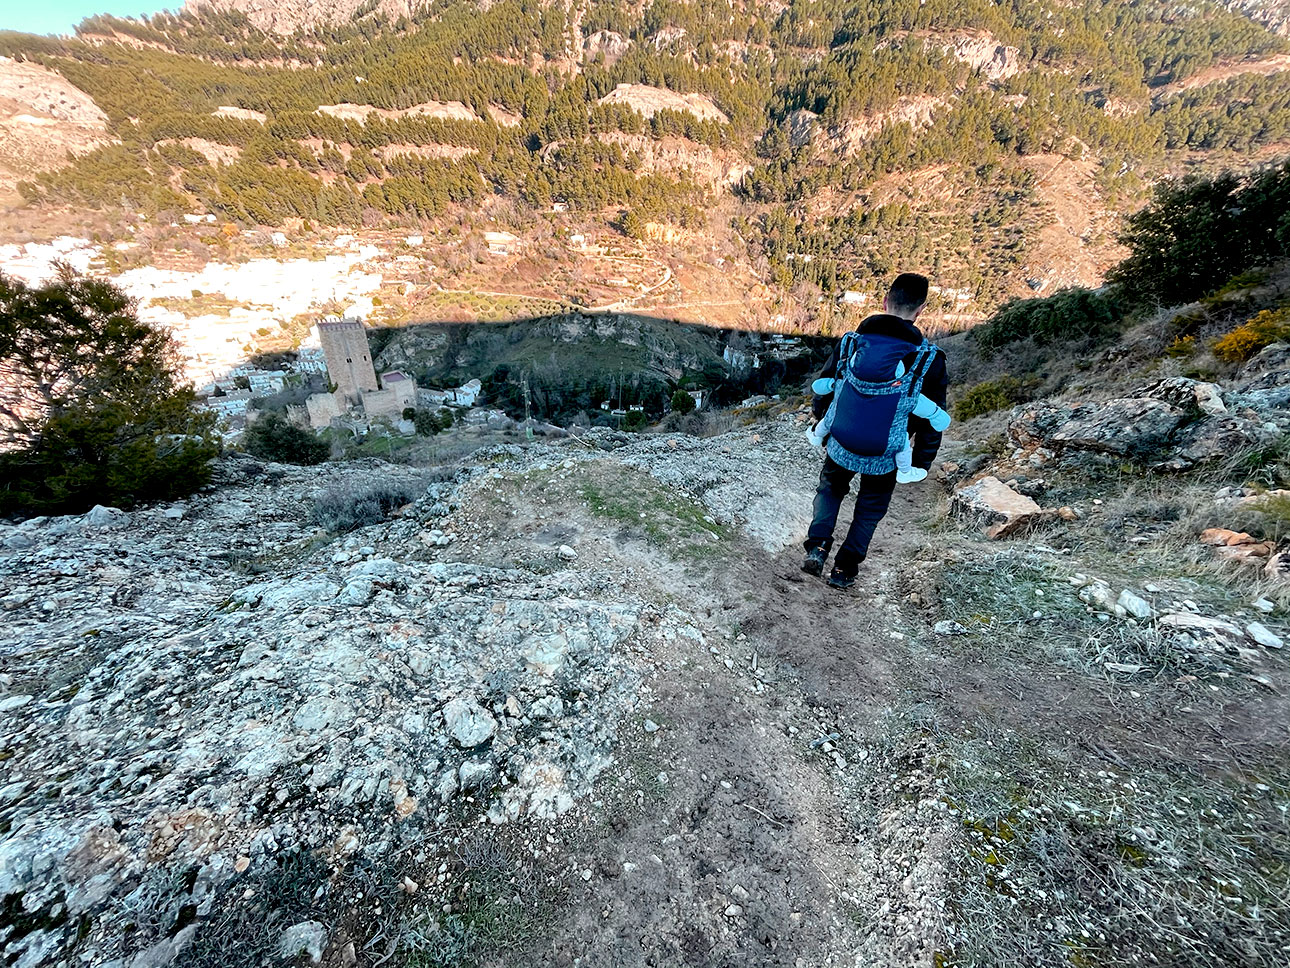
{"x": 908, "y": 293}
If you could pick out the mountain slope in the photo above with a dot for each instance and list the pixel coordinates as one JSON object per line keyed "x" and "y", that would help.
{"x": 801, "y": 120}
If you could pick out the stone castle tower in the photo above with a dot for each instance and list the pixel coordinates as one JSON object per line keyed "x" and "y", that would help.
{"x": 349, "y": 359}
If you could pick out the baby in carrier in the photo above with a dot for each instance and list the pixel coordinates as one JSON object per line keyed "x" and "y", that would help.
{"x": 906, "y": 472}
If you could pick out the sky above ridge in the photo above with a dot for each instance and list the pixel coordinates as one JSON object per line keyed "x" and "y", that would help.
{"x": 60, "y": 16}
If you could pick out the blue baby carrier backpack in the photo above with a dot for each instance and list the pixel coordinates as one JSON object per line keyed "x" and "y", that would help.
{"x": 871, "y": 404}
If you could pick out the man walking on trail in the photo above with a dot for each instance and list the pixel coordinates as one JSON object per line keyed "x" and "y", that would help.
{"x": 876, "y": 372}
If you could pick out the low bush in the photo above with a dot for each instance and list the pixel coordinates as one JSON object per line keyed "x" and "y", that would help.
{"x": 1268, "y": 327}
{"x": 1070, "y": 314}
{"x": 1267, "y": 465}
{"x": 705, "y": 423}
{"x": 992, "y": 395}
{"x": 344, "y": 507}
{"x": 272, "y": 437}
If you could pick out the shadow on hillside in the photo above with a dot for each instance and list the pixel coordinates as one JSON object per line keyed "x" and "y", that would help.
{"x": 588, "y": 365}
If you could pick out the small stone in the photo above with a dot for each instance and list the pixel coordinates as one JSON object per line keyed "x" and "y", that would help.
{"x": 651, "y": 726}
{"x": 1126, "y": 667}
{"x": 948, "y": 627}
{"x": 1098, "y": 595}
{"x": 13, "y": 702}
{"x": 409, "y": 886}
{"x": 474, "y": 773}
{"x": 567, "y": 553}
{"x": 1264, "y": 606}
{"x": 242, "y": 863}
{"x": 307, "y": 937}
{"x": 733, "y": 910}
{"x": 1135, "y": 605}
{"x": 1263, "y": 635}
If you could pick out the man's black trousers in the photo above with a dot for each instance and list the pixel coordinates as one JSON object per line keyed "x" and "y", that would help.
{"x": 872, "y": 501}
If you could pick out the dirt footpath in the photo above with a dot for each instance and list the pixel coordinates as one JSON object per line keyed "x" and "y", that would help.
{"x": 733, "y": 842}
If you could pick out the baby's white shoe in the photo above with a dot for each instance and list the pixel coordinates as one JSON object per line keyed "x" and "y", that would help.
{"x": 911, "y": 475}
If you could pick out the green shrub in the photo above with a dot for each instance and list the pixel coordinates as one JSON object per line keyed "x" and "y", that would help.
{"x": 1070, "y": 314}
{"x": 427, "y": 422}
{"x": 682, "y": 402}
{"x": 992, "y": 395}
{"x": 346, "y": 507}
{"x": 1236, "y": 287}
{"x": 271, "y": 437}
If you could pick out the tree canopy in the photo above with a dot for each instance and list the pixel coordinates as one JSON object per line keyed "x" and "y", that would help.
{"x": 92, "y": 409}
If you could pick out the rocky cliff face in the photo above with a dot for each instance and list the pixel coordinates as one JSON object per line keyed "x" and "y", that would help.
{"x": 1273, "y": 14}
{"x": 43, "y": 120}
{"x": 285, "y": 16}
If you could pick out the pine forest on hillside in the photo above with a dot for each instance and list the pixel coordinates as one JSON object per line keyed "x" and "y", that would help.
{"x": 833, "y": 115}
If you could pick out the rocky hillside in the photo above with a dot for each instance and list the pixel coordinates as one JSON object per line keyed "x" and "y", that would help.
{"x": 45, "y": 122}
{"x": 288, "y": 16}
{"x": 575, "y": 703}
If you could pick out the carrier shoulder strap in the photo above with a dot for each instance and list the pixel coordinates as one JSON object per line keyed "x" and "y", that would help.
{"x": 922, "y": 363}
{"x": 845, "y": 349}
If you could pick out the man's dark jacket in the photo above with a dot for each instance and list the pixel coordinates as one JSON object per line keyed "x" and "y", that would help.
{"x": 926, "y": 440}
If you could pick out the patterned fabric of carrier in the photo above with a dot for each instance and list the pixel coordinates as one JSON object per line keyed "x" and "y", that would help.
{"x": 871, "y": 406}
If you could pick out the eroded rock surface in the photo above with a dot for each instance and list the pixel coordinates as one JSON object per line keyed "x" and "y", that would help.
{"x": 184, "y": 690}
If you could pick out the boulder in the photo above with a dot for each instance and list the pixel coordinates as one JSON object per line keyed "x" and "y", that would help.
{"x": 1214, "y": 438}
{"x": 1270, "y": 358}
{"x": 105, "y": 517}
{"x": 1187, "y": 394}
{"x": 1122, "y": 427}
{"x": 996, "y": 507}
{"x": 1267, "y": 391}
{"x": 1034, "y": 424}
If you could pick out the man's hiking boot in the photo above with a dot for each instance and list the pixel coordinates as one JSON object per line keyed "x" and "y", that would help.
{"x": 840, "y": 579}
{"x": 814, "y": 562}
